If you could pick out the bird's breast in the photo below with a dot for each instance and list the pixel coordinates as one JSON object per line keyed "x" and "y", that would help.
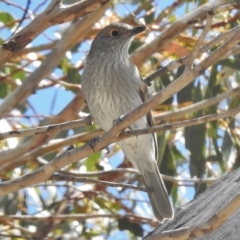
{"x": 112, "y": 91}
{"x": 110, "y": 102}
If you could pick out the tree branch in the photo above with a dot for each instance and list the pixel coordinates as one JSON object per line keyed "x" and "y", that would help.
{"x": 79, "y": 217}
{"x": 67, "y": 178}
{"x": 210, "y": 225}
{"x": 77, "y": 30}
{"x": 46, "y": 129}
{"x": 159, "y": 43}
{"x": 43, "y": 173}
{"x": 176, "y": 64}
{"x": 180, "y": 112}
{"x": 69, "y": 112}
{"x": 52, "y": 15}
{"x": 88, "y": 120}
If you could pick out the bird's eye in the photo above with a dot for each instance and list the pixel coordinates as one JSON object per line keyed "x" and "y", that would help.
{"x": 114, "y": 33}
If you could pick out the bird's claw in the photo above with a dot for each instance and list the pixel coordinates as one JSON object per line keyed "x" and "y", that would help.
{"x": 107, "y": 149}
{"x": 118, "y": 120}
{"x": 70, "y": 148}
{"x": 94, "y": 141}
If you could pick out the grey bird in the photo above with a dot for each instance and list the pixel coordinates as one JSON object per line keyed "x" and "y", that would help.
{"x": 113, "y": 87}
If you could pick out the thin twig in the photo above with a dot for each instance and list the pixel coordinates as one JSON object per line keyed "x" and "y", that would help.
{"x": 134, "y": 171}
{"x": 46, "y": 129}
{"x": 187, "y": 123}
{"x": 23, "y": 17}
{"x": 87, "y": 121}
{"x": 176, "y": 64}
{"x": 64, "y": 217}
{"x": 67, "y": 178}
{"x": 195, "y": 52}
{"x": 167, "y": 35}
{"x": 171, "y": 115}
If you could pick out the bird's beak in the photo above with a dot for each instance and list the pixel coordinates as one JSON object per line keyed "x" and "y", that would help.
{"x": 137, "y": 29}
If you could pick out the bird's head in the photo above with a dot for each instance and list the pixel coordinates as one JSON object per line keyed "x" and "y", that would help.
{"x": 116, "y": 37}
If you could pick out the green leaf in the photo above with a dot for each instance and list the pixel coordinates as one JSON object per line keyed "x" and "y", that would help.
{"x": 134, "y": 45}
{"x": 149, "y": 18}
{"x": 174, "y": 194}
{"x": 19, "y": 75}
{"x": 168, "y": 166}
{"x": 232, "y": 63}
{"x": 213, "y": 133}
{"x": 184, "y": 95}
{"x": 195, "y": 143}
{"x": 5, "y": 18}
{"x": 3, "y": 90}
{"x": 73, "y": 75}
{"x": 92, "y": 161}
{"x": 227, "y": 144}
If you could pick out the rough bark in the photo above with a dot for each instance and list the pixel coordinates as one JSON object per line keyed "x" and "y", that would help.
{"x": 206, "y": 206}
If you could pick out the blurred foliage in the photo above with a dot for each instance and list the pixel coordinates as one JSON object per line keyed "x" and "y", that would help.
{"x": 206, "y": 150}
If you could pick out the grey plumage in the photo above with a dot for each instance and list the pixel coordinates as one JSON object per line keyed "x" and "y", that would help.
{"x": 112, "y": 87}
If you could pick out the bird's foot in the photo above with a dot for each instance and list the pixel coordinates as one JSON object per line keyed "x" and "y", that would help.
{"x": 118, "y": 120}
{"x": 70, "y": 148}
{"x": 94, "y": 141}
{"x": 107, "y": 149}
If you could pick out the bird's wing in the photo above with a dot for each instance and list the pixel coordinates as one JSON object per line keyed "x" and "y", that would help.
{"x": 143, "y": 91}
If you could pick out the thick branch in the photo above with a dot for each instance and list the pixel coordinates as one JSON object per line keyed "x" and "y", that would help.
{"x": 53, "y": 14}
{"x": 77, "y": 30}
{"x": 68, "y": 157}
{"x": 206, "y": 214}
{"x": 69, "y": 112}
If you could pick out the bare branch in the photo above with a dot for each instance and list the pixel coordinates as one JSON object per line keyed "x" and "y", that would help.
{"x": 76, "y": 31}
{"x": 46, "y": 129}
{"x": 176, "y": 64}
{"x": 55, "y": 145}
{"x": 134, "y": 171}
{"x": 73, "y": 217}
{"x": 44, "y": 173}
{"x": 226, "y": 8}
{"x": 200, "y": 40}
{"x": 67, "y": 178}
{"x": 187, "y": 123}
{"x": 36, "y": 49}
{"x": 171, "y": 115}
{"x": 87, "y": 121}
{"x": 159, "y": 43}
{"x": 76, "y": 10}
{"x": 53, "y": 14}
{"x": 98, "y": 173}
{"x": 211, "y": 224}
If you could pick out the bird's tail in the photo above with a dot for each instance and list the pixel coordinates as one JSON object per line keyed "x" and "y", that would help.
{"x": 158, "y": 196}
